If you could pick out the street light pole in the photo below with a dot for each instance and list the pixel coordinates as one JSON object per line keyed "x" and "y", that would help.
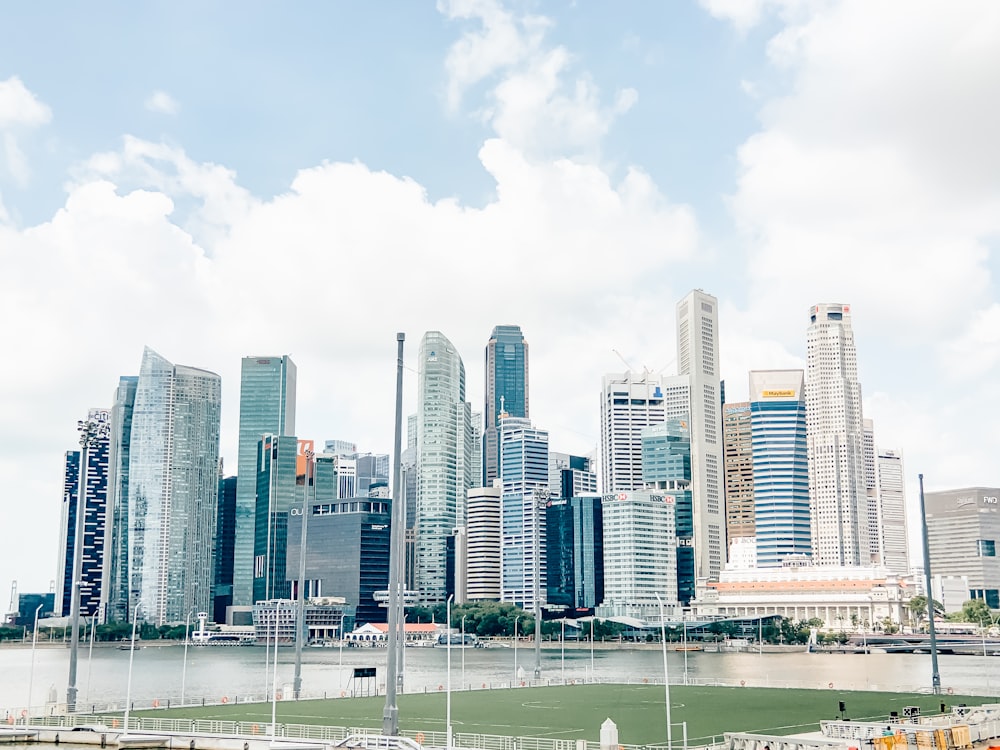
{"x": 666, "y": 673}
{"x": 187, "y": 631}
{"x": 447, "y": 719}
{"x": 300, "y": 615}
{"x": 131, "y": 656}
{"x": 31, "y": 676}
{"x": 515, "y": 650}
{"x": 539, "y": 501}
{"x": 463, "y": 652}
{"x": 390, "y": 713}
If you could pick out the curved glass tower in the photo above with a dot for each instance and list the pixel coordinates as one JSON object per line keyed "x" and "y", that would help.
{"x": 173, "y": 489}
{"x": 444, "y": 461}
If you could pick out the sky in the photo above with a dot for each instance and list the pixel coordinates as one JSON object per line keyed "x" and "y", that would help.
{"x": 219, "y": 180}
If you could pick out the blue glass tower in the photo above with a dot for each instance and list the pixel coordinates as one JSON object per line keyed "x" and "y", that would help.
{"x": 780, "y": 466}
{"x": 506, "y": 379}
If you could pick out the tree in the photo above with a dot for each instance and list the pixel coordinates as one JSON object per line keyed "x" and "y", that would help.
{"x": 918, "y": 607}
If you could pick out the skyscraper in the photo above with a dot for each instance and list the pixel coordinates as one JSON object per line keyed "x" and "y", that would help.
{"x": 277, "y": 494}
{"x": 738, "y": 470}
{"x": 484, "y": 543}
{"x": 225, "y": 538}
{"x": 506, "y": 380}
{"x": 116, "y": 567}
{"x": 267, "y": 406}
{"x": 780, "y": 466}
{"x": 173, "y": 489}
{"x": 837, "y": 496}
{"x": 574, "y": 552}
{"x": 444, "y": 461}
{"x": 698, "y": 358}
{"x": 524, "y": 473}
{"x": 893, "y": 548}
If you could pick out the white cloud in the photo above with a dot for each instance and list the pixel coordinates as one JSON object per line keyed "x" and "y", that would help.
{"x": 163, "y": 103}
{"x": 20, "y": 107}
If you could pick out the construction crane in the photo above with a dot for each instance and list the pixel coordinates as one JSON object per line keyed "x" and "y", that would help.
{"x": 13, "y": 610}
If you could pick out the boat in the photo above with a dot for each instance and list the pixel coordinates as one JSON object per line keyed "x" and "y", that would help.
{"x": 458, "y": 641}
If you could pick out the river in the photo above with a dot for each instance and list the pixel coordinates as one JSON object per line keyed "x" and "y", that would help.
{"x": 238, "y": 673}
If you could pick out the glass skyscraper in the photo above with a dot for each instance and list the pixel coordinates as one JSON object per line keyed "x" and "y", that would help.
{"x": 506, "y": 379}
{"x": 574, "y": 552}
{"x": 444, "y": 461}
{"x": 780, "y": 466}
{"x": 116, "y": 568}
{"x": 173, "y": 489}
{"x": 267, "y": 406}
{"x": 277, "y": 494}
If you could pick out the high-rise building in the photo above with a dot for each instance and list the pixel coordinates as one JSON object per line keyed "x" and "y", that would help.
{"x": 444, "y": 461}
{"x": 837, "y": 496}
{"x": 639, "y": 555}
{"x": 666, "y": 468}
{"x": 630, "y": 402}
{"x": 524, "y": 476}
{"x": 95, "y": 522}
{"x": 780, "y": 466}
{"x": 738, "y": 470}
{"x": 871, "y": 489}
{"x": 893, "y": 547}
{"x": 698, "y": 359}
{"x": 267, "y": 406}
{"x": 483, "y": 545}
{"x": 225, "y": 538}
{"x": 116, "y": 567}
{"x": 571, "y": 476}
{"x": 963, "y": 527}
{"x": 506, "y": 390}
{"x": 277, "y": 494}
{"x": 574, "y": 552}
{"x": 173, "y": 489}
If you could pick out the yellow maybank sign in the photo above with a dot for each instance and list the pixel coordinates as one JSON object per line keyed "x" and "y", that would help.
{"x": 779, "y": 394}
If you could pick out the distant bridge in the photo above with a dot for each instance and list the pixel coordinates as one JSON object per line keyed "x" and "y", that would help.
{"x": 921, "y": 642}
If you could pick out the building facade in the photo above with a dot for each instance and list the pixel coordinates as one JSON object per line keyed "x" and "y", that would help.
{"x": 173, "y": 489}
{"x": 574, "y": 552}
{"x": 963, "y": 529}
{"x": 278, "y": 492}
{"x": 890, "y": 486}
{"x": 267, "y": 406}
{"x": 837, "y": 495}
{"x": 571, "y": 476}
{"x": 483, "y": 544}
{"x": 698, "y": 359}
{"x": 780, "y": 466}
{"x": 506, "y": 391}
{"x": 443, "y": 459}
{"x": 116, "y": 588}
{"x": 738, "y": 471}
{"x": 630, "y": 402}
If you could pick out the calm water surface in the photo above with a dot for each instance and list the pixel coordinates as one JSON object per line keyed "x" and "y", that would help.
{"x": 239, "y": 672}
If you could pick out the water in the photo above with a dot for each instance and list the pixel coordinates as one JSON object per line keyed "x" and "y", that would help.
{"x": 239, "y": 672}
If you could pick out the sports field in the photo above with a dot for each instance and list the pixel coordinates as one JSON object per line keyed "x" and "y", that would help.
{"x": 577, "y": 711}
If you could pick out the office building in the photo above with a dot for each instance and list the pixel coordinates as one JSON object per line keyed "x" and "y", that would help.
{"x": 277, "y": 494}
{"x": 524, "y": 476}
{"x": 116, "y": 587}
{"x": 780, "y": 466}
{"x": 506, "y": 390}
{"x": 267, "y": 407}
{"x": 963, "y": 527}
{"x": 890, "y": 484}
{"x": 173, "y": 489}
{"x": 574, "y": 553}
{"x": 95, "y": 521}
{"x": 738, "y": 471}
{"x": 666, "y": 468}
{"x": 698, "y": 359}
{"x": 225, "y": 539}
{"x": 358, "y": 529}
{"x": 639, "y": 555}
{"x": 837, "y": 495}
{"x": 483, "y": 544}
{"x": 571, "y": 476}
{"x": 444, "y": 461}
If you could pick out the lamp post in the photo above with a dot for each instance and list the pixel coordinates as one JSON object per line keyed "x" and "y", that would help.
{"x": 593, "y": 677}
{"x": 274, "y": 678}
{"x": 300, "y": 614}
{"x": 447, "y": 718}
{"x": 31, "y": 675}
{"x": 187, "y": 631}
{"x": 540, "y": 499}
{"x": 515, "y": 651}
{"x": 562, "y": 643}
{"x": 90, "y": 653}
{"x": 131, "y": 656}
{"x": 463, "y": 652}
{"x": 91, "y": 430}
{"x": 666, "y": 673}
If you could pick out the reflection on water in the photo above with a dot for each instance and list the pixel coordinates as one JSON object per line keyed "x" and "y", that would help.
{"x": 240, "y": 671}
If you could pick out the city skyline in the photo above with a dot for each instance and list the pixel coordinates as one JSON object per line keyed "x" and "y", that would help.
{"x": 570, "y": 170}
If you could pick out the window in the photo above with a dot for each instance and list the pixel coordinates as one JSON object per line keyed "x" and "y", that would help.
{"x": 986, "y": 548}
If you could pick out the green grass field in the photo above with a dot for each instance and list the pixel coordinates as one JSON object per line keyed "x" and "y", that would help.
{"x": 576, "y": 712}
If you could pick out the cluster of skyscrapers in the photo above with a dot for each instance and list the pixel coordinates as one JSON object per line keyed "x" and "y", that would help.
{"x": 682, "y": 486}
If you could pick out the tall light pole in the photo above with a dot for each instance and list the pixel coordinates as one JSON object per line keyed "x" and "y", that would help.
{"x": 187, "y": 631}
{"x": 539, "y": 500}
{"x": 31, "y": 675}
{"x": 562, "y": 642}
{"x": 274, "y": 678}
{"x": 90, "y": 654}
{"x": 593, "y": 677}
{"x": 515, "y": 650}
{"x": 666, "y": 673}
{"x": 91, "y": 430}
{"x": 447, "y": 718}
{"x": 131, "y": 656}
{"x": 935, "y": 673}
{"x": 463, "y": 652}
{"x": 390, "y": 714}
{"x": 300, "y": 613}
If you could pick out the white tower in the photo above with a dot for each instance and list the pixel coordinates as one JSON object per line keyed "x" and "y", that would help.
{"x": 837, "y": 495}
